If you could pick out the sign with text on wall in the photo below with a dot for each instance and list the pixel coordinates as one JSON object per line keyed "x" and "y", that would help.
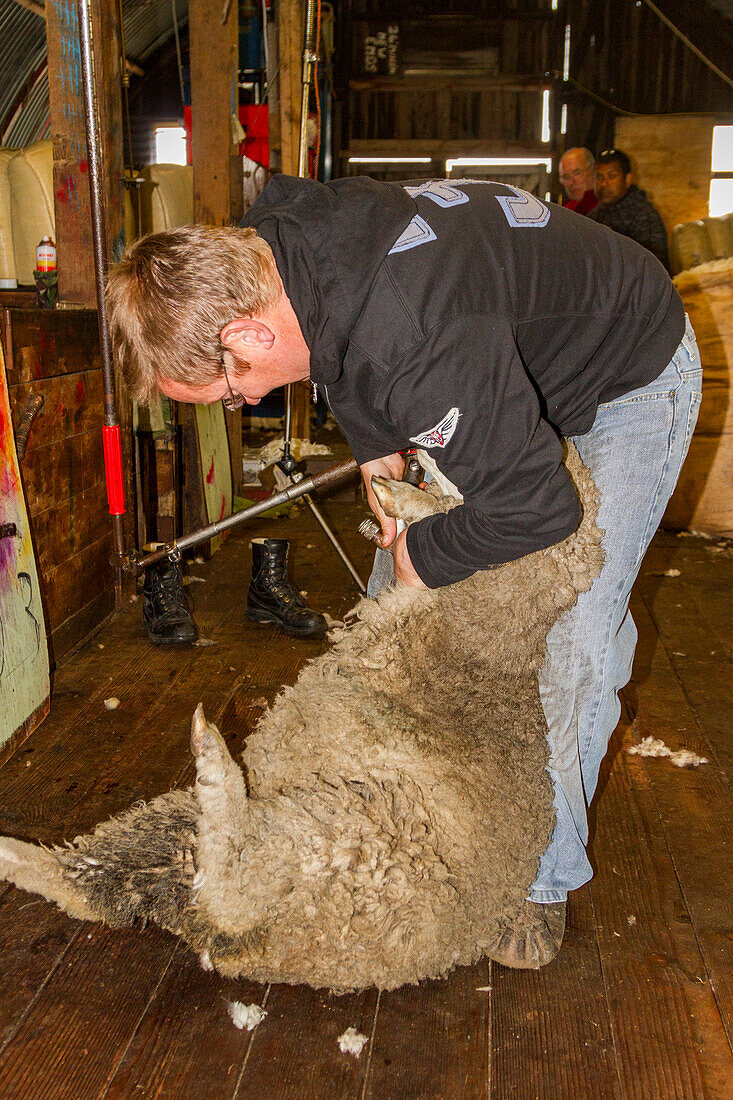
{"x": 377, "y": 49}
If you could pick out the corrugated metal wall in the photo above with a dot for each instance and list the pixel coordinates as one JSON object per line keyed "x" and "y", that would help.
{"x": 24, "y": 104}
{"x": 23, "y": 81}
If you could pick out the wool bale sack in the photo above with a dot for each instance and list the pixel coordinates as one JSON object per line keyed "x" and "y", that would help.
{"x": 703, "y": 498}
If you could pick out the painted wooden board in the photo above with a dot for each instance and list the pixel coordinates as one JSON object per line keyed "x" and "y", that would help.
{"x": 24, "y": 669}
{"x": 54, "y": 354}
{"x": 216, "y": 469}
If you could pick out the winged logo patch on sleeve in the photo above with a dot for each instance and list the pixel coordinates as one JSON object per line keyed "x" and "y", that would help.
{"x": 441, "y": 434}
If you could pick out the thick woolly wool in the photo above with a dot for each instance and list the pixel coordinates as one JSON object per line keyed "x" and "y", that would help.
{"x": 396, "y": 801}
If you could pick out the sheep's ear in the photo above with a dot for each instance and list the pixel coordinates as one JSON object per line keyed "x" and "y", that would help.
{"x": 402, "y": 500}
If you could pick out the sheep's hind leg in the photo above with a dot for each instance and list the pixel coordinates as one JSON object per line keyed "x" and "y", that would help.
{"x": 533, "y": 939}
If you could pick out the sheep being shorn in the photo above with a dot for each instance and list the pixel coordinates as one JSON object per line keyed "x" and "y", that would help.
{"x": 394, "y": 802}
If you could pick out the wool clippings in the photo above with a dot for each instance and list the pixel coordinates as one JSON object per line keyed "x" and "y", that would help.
{"x": 246, "y": 1016}
{"x": 682, "y": 758}
{"x": 112, "y": 703}
{"x": 352, "y": 1042}
{"x": 299, "y": 448}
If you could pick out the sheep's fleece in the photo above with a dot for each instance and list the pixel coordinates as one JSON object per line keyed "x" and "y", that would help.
{"x": 394, "y": 802}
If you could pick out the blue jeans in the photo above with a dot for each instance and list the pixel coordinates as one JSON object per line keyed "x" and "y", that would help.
{"x": 635, "y": 452}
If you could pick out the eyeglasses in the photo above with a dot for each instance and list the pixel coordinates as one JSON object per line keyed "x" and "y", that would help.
{"x": 233, "y": 400}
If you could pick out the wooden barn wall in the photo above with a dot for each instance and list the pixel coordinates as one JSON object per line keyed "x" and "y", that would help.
{"x": 56, "y": 354}
{"x": 444, "y": 79}
{"x": 679, "y": 186}
{"x": 622, "y": 52}
{"x": 457, "y": 77}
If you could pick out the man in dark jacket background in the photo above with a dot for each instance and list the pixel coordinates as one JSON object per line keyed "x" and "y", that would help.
{"x": 622, "y": 206}
{"x": 482, "y": 324}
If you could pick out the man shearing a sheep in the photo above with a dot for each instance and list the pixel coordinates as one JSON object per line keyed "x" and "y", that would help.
{"x": 483, "y": 325}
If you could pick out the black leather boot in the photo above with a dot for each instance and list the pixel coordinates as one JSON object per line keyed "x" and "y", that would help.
{"x": 166, "y": 607}
{"x": 272, "y": 598}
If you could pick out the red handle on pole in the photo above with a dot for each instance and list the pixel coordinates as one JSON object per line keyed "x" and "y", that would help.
{"x": 112, "y": 444}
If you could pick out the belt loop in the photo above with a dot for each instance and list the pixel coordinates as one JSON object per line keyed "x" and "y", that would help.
{"x": 688, "y": 338}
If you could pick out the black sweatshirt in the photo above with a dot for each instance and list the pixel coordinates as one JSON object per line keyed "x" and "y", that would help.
{"x": 479, "y": 322}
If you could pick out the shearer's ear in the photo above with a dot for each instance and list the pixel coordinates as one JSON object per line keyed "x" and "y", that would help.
{"x": 246, "y": 333}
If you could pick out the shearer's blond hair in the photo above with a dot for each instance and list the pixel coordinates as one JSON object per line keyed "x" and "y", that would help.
{"x": 173, "y": 292}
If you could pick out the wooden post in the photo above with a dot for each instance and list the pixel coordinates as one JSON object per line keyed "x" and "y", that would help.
{"x": 217, "y": 187}
{"x": 291, "y": 33}
{"x": 70, "y": 176}
{"x": 273, "y": 95}
{"x": 71, "y": 182}
{"x": 217, "y": 167}
{"x": 234, "y": 432}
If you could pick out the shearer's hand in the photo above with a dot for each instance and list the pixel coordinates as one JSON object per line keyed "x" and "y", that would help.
{"x": 390, "y": 466}
{"x": 403, "y": 567}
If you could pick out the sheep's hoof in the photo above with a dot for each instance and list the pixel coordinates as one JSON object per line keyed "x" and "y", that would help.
{"x": 200, "y": 736}
{"x": 534, "y": 938}
{"x": 402, "y": 500}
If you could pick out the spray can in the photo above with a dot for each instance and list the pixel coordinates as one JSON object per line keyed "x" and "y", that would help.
{"x": 46, "y": 255}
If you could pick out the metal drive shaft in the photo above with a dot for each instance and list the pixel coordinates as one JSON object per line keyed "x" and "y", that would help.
{"x": 173, "y": 550}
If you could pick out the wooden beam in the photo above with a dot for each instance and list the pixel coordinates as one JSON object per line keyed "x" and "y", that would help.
{"x": 469, "y": 81}
{"x": 291, "y": 31}
{"x": 441, "y": 149}
{"x": 217, "y": 185}
{"x": 71, "y": 181}
{"x": 217, "y": 168}
{"x": 291, "y": 34}
{"x": 273, "y": 95}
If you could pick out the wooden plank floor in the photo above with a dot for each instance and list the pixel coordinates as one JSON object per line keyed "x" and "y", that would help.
{"x": 639, "y": 1003}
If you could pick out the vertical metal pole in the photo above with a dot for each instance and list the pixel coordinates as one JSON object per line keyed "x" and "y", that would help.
{"x": 111, "y": 428}
{"x": 310, "y": 56}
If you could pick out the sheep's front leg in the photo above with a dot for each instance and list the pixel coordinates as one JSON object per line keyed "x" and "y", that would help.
{"x": 402, "y": 500}
{"x": 40, "y": 871}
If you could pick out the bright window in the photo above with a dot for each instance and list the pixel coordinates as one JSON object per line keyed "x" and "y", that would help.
{"x": 722, "y": 160}
{"x": 721, "y": 197}
{"x": 170, "y": 145}
{"x": 721, "y": 165}
{"x": 389, "y": 160}
{"x": 497, "y": 162}
{"x": 545, "y": 123}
